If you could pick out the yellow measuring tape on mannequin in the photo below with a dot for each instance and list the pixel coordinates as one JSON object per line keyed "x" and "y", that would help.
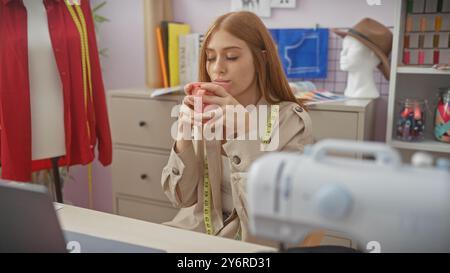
{"x": 206, "y": 182}
{"x": 80, "y": 23}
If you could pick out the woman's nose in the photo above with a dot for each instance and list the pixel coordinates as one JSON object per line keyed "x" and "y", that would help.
{"x": 219, "y": 67}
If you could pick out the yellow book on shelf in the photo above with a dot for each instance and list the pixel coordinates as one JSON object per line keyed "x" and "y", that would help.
{"x": 162, "y": 61}
{"x": 175, "y": 30}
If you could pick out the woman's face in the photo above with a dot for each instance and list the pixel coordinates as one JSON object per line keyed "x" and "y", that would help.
{"x": 230, "y": 64}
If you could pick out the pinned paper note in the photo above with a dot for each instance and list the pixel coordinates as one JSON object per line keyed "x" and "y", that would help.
{"x": 260, "y": 7}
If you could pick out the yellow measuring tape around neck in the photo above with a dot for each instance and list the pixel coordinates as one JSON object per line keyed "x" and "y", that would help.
{"x": 80, "y": 23}
{"x": 207, "y": 198}
{"x": 275, "y": 109}
{"x": 206, "y": 182}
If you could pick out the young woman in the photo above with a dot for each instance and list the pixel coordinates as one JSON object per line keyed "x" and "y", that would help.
{"x": 239, "y": 66}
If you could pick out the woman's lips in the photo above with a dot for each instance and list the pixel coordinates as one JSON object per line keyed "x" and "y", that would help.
{"x": 224, "y": 84}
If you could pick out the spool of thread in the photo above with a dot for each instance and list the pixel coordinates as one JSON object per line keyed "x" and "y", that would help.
{"x": 436, "y": 40}
{"x": 417, "y": 112}
{"x": 406, "y": 57}
{"x": 436, "y": 56}
{"x": 406, "y": 41}
{"x": 438, "y": 23}
{"x": 409, "y": 24}
{"x": 405, "y": 112}
{"x": 423, "y": 24}
{"x": 421, "y": 57}
{"x": 421, "y": 40}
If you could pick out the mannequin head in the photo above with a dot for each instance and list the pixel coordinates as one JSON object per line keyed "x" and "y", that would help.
{"x": 360, "y": 62}
{"x": 357, "y": 57}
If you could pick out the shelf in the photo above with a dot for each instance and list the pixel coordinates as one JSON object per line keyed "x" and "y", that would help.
{"x": 426, "y": 145}
{"x": 428, "y": 13}
{"x": 421, "y": 70}
{"x": 412, "y": 81}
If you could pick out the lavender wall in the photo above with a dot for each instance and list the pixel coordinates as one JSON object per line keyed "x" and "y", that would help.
{"x": 125, "y": 66}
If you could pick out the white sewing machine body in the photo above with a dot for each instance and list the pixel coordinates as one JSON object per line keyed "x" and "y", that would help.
{"x": 402, "y": 208}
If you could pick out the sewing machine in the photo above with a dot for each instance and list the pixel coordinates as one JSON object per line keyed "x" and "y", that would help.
{"x": 380, "y": 202}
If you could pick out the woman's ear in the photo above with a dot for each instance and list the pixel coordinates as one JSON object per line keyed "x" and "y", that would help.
{"x": 264, "y": 54}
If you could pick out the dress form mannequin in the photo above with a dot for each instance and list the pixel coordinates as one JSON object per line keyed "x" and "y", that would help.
{"x": 78, "y": 77}
{"x": 46, "y": 96}
{"x": 360, "y": 62}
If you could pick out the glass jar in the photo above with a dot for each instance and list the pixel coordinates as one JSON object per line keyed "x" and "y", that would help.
{"x": 442, "y": 117}
{"x": 411, "y": 120}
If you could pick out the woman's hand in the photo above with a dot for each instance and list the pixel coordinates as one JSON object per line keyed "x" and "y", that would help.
{"x": 219, "y": 95}
{"x": 215, "y": 111}
{"x": 187, "y": 116}
{"x": 187, "y": 119}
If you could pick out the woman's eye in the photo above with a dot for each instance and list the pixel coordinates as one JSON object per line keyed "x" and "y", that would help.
{"x": 212, "y": 59}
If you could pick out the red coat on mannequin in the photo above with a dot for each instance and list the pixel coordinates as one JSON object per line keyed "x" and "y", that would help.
{"x": 15, "y": 119}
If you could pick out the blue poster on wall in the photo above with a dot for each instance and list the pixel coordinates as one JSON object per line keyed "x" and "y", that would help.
{"x": 303, "y": 52}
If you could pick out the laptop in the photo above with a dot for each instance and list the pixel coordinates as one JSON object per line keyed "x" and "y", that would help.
{"x": 29, "y": 224}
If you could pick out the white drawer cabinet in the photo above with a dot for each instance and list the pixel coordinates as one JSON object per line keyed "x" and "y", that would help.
{"x": 141, "y": 137}
{"x": 141, "y": 173}
{"x": 142, "y": 122}
{"x": 350, "y": 119}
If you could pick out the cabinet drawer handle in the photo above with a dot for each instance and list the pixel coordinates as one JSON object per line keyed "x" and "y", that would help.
{"x": 144, "y": 176}
{"x": 142, "y": 123}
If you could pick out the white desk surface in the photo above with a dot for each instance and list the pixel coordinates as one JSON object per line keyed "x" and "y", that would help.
{"x": 128, "y": 230}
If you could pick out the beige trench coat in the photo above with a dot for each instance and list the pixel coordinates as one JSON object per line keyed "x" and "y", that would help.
{"x": 185, "y": 172}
